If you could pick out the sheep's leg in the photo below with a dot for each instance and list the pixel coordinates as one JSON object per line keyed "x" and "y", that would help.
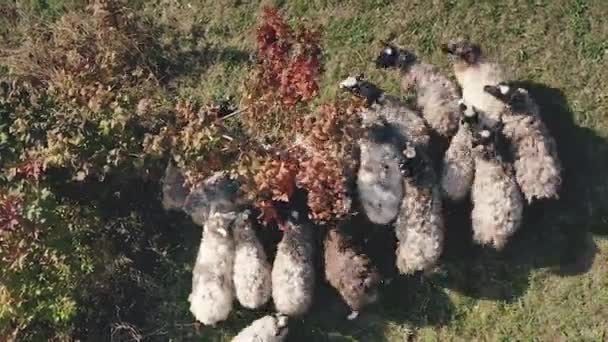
{"x": 353, "y": 315}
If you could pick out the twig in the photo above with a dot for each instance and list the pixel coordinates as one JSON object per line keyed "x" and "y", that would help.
{"x": 235, "y": 113}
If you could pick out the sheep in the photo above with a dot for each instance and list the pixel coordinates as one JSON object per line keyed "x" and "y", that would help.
{"x": 174, "y": 191}
{"x": 270, "y": 328}
{"x": 379, "y": 180}
{"x": 497, "y": 201}
{"x": 381, "y": 106}
{"x": 251, "y": 277}
{"x": 458, "y": 165}
{"x": 216, "y": 193}
{"x": 350, "y": 272}
{"x": 473, "y": 72}
{"x": 212, "y": 293}
{"x": 419, "y": 227}
{"x": 293, "y": 271}
{"x": 436, "y": 95}
{"x": 536, "y": 162}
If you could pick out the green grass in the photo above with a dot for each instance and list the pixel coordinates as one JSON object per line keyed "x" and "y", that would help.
{"x": 551, "y": 282}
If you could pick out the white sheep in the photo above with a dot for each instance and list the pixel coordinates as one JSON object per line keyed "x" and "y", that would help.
{"x": 458, "y": 167}
{"x": 252, "y": 280}
{"x": 536, "y": 162}
{"x": 473, "y": 71}
{"x": 212, "y": 293}
{"x": 350, "y": 271}
{"x": 436, "y": 95}
{"x": 497, "y": 201}
{"x": 420, "y": 225}
{"x": 270, "y": 328}
{"x": 293, "y": 271}
{"x": 173, "y": 189}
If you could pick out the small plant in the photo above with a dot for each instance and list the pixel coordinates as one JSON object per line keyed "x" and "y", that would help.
{"x": 285, "y": 79}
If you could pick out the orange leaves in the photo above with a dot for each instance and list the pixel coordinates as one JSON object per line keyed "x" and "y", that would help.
{"x": 286, "y": 75}
{"x": 276, "y": 179}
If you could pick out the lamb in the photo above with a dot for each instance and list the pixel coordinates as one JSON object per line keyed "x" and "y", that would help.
{"x": 436, "y": 95}
{"x": 497, "y": 200}
{"x": 217, "y": 193}
{"x": 212, "y": 294}
{"x": 536, "y": 162}
{"x": 350, "y": 271}
{"x": 379, "y": 180}
{"x": 173, "y": 189}
{"x": 473, "y": 72}
{"x": 293, "y": 271}
{"x": 270, "y": 328}
{"x": 458, "y": 166}
{"x": 420, "y": 226}
{"x": 381, "y": 106}
{"x": 252, "y": 281}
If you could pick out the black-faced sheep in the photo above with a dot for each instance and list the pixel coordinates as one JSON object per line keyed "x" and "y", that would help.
{"x": 497, "y": 200}
{"x": 537, "y": 165}
{"x": 420, "y": 225}
{"x": 436, "y": 95}
{"x": 458, "y": 167}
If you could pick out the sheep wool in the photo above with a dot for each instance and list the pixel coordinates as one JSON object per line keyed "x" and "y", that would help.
{"x": 212, "y": 293}
{"x": 473, "y": 71}
{"x": 536, "y": 162}
{"x": 436, "y": 95}
{"x": 382, "y": 107}
{"x": 458, "y": 165}
{"x": 350, "y": 272}
{"x": 497, "y": 201}
{"x": 173, "y": 189}
{"x": 216, "y": 194}
{"x": 270, "y": 328}
{"x": 379, "y": 180}
{"x": 252, "y": 281}
{"x": 293, "y": 271}
{"x": 420, "y": 226}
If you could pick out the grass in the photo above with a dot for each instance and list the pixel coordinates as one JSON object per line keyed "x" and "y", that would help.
{"x": 551, "y": 282}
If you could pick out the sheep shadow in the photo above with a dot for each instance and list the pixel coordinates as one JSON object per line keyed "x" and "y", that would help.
{"x": 556, "y": 235}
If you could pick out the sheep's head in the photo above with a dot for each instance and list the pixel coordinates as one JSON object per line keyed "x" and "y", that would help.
{"x": 282, "y": 322}
{"x": 464, "y": 50}
{"x": 468, "y": 115}
{"x": 358, "y": 86}
{"x": 516, "y": 98}
{"x": 411, "y": 162}
{"x": 392, "y": 57}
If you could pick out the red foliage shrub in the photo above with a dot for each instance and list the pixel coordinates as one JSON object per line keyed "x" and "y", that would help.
{"x": 286, "y": 75}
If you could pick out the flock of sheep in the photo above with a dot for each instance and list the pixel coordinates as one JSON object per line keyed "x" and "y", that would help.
{"x": 499, "y": 154}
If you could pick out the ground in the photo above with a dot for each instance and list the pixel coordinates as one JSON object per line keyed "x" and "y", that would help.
{"x": 551, "y": 282}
